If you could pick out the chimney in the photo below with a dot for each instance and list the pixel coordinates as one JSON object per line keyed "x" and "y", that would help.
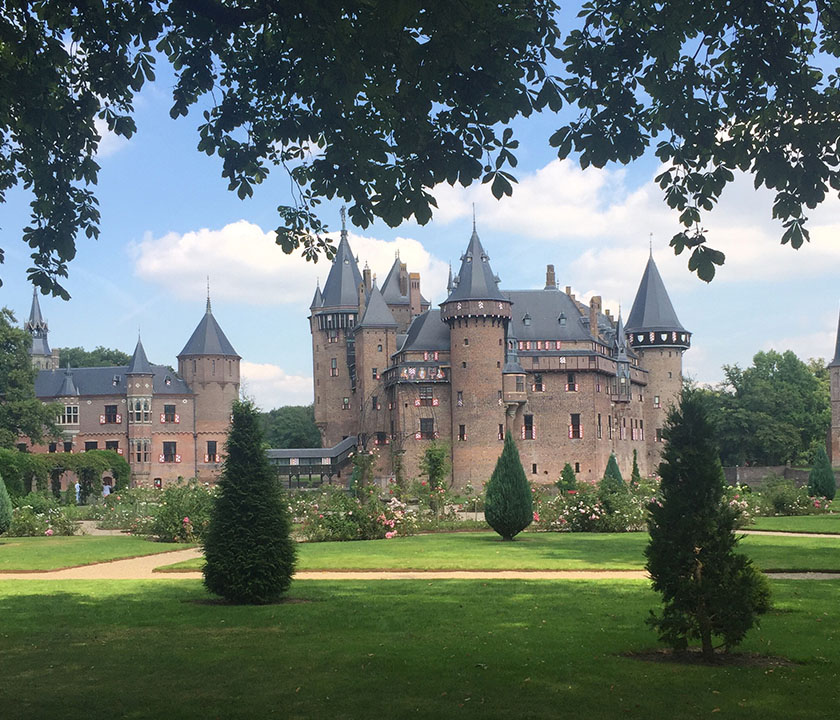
{"x": 367, "y": 277}
{"x": 414, "y": 293}
{"x": 403, "y": 280}
{"x": 594, "y": 311}
{"x": 569, "y": 290}
{"x": 550, "y": 280}
{"x": 362, "y": 300}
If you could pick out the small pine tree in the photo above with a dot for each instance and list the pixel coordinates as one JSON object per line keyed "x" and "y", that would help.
{"x": 5, "y": 508}
{"x": 635, "y": 475}
{"x": 508, "y": 507}
{"x": 568, "y": 479}
{"x": 707, "y": 588}
{"x": 612, "y": 482}
{"x": 821, "y": 482}
{"x": 250, "y": 556}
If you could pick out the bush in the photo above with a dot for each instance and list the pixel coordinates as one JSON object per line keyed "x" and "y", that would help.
{"x": 182, "y": 513}
{"x": 782, "y": 497}
{"x": 821, "y": 482}
{"x": 333, "y": 515}
{"x": 5, "y": 507}
{"x": 250, "y": 556}
{"x": 568, "y": 479}
{"x": 28, "y": 521}
{"x": 707, "y": 588}
{"x": 583, "y": 510}
{"x": 508, "y": 507}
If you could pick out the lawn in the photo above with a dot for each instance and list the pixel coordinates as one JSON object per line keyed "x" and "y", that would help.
{"x": 539, "y": 551}
{"x": 462, "y": 649}
{"x": 51, "y": 553}
{"x": 801, "y": 523}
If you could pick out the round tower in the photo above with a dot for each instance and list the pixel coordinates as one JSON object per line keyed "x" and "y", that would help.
{"x": 657, "y": 337}
{"x": 477, "y": 315}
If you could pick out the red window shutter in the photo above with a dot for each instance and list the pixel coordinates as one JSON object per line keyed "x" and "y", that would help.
{"x": 161, "y": 458}
{"x": 435, "y": 402}
{"x": 523, "y": 432}
{"x": 119, "y": 419}
{"x": 177, "y": 418}
{"x": 177, "y": 458}
{"x": 416, "y": 402}
{"x": 570, "y": 431}
{"x": 206, "y": 458}
{"x": 163, "y": 417}
{"x": 417, "y": 436}
{"x": 101, "y": 419}
{"x": 119, "y": 451}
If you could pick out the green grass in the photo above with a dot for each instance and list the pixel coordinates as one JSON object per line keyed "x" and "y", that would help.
{"x": 52, "y": 553}
{"x": 539, "y": 551}
{"x": 802, "y": 523}
{"x": 396, "y": 649}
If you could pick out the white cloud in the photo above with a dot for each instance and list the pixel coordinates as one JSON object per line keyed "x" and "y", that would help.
{"x": 245, "y": 265}
{"x": 110, "y": 142}
{"x": 271, "y": 386}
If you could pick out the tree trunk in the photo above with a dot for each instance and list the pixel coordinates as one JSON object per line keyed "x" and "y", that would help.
{"x": 703, "y": 621}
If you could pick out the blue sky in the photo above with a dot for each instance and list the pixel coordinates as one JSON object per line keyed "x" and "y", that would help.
{"x": 168, "y": 222}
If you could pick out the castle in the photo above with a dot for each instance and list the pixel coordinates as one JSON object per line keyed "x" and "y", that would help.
{"x": 168, "y": 425}
{"x": 568, "y": 380}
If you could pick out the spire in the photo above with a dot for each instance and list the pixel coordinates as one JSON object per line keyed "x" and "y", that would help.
{"x": 37, "y": 327}
{"x": 377, "y": 314}
{"x": 652, "y": 308}
{"x": 342, "y": 285}
{"x": 476, "y": 280}
{"x": 836, "y": 361}
{"x": 208, "y": 294}
{"x": 449, "y": 286}
{"x": 208, "y": 339}
{"x": 139, "y": 363}
{"x": 620, "y": 339}
{"x": 317, "y": 300}
{"x": 68, "y": 387}
{"x": 512, "y": 364}
{"x": 473, "y": 217}
{"x": 343, "y": 213}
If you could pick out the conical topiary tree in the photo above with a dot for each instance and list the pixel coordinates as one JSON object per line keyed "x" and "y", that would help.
{"x": 508, "y": 507}
{"x": 568, "y": 479}
{"x": 635, "y": 475}
{"x": 5, "y": 508}
{"x": 821, "y": 482}
{"x": 707, "y": 588}
{"x": 250, "y": 556}
{"x": 612, "y": 482}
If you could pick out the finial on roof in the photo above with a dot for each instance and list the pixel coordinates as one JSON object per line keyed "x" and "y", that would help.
{"x": 343, "y": 212}
{"x": 650, "y": 244}
{"x": 208, "y": 293}
{"x": 473, "y": 217}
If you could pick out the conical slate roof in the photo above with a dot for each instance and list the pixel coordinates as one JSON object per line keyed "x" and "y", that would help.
{"x": 36, "y": 320}
{"x": 208, "y": 339}
{"x": 317, "y": 300}
{"x": 139, "y": 363}
{"x": 836, "y": 361}
{"x": 391, "y": 286}
{"x": 377, "y": 313}
{"x": 68, "y": 387}
{"x": 652, "y": 308}
{"x": 36, "y": 326}
{"x": 476, "y": 280}
{"x": 341, "y": 288}
{"x": 621, "y": 340}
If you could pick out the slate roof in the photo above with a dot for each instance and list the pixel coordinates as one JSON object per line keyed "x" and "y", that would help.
{"x": 836, "y": 361}
{"x": 37, "y": 327}
{"x": 544, "y": 308}
{"x": 475, "y": 280}
{"x": 208, "y": 339}
{"x": 427, "y": 332}
{"x": 652, "y": 308}
{"x": 101, "y": 381}
{"x": 341, "y": 288}
{"x": 68, "y": 387}
{"x": 391, "y": 288}
{"x": 317, "y": 300}
{"x": 336, "y": 450}
{"x": 377, "y": 313}
{"x": 139, "y": 363}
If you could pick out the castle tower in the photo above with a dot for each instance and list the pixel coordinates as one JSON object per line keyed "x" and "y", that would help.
{"x": 477, "y": 315}
{"x": 376, "y": 340}
{"x": 834, "y": 375}
{"x": 139, "y": 389}
{"x": 332, "y": 320}
{"x": 42, "y": 357}
{"x": 210, "y": 366}
{"x": 658, "y": 338}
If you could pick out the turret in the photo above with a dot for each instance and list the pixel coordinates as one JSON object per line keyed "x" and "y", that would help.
{"x": 477, "y": 314}
{"x": 139, "y": 389}
{"x": 42, "y": 357}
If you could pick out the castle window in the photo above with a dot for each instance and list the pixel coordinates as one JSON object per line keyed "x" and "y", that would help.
{"x": 609, "y": 426}
{"x": 113, "y": 445}
{"x": 526, "y": 319}
{"x": 463, "y": 364}
{"x": 460, "y": 398}
{"x": 462, "y": 432}
{"x": 599, "y": 426}
{"x": 68, "y": 446}
{"x": 535, "y": 362}
{"x": 501, "y": 432}
{"x": 170, "y": 452}
{"x": 169, "y": 415}
{"x": 91, "y": 445}
{"x": 528, "y": 430}
{"x": 214, "y": 366}
{"x": 230, "y": 368}
{"x": 379, "y": 348}
{"x": 466, "y": 341}
{"x": 147, "y": 411}
{"x": 345, "y": 403}
{"x": 374, "y": 403}
{"x": 140, "y": 450}
{"x": 332, "y": 336}
{"x": 333, "y": 367}
{"x": 212, "y": 452}
{"x": 53, "y": 447}
{"x": 571, "y": 383}
{"x": 641, "y": 429}
{"x": 670, "y": 374}
{"x": 427, "y": 428}
{"x": 562, "y": 320}
{"x": 656, "y": 402}
{"x": 380, "y": 438}
{"x": 575, "y": 428}
{"x": 520, "y": 383}
{"x": 111, "y": 414}
{"x": 375, "y": 373}
{"x": 427, "y": 395}
{"x": 658, "y": 434}
{"x": 193, "y": 365}
{"x": 577, "y": 467}
{"x": 70, "y": 416}
{"x": 534, "y": 468}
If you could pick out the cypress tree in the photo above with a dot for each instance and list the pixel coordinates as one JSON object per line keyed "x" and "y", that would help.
{"x": 612, "y": 482}
{"x": 821, "y": 482}
{"x": 508, "y": 506}
{"x": 5, "y": 508}
{"x": 635, "y": 475}
{"x": 707, "y": 588}
{"x": 250, "y": 556}
{"x": 568, "y": 479}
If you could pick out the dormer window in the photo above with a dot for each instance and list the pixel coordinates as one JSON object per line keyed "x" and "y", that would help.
{"x": 115, "y": 381}
{"x": 562, "y": 319}
{"x": 526, "y": 320}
